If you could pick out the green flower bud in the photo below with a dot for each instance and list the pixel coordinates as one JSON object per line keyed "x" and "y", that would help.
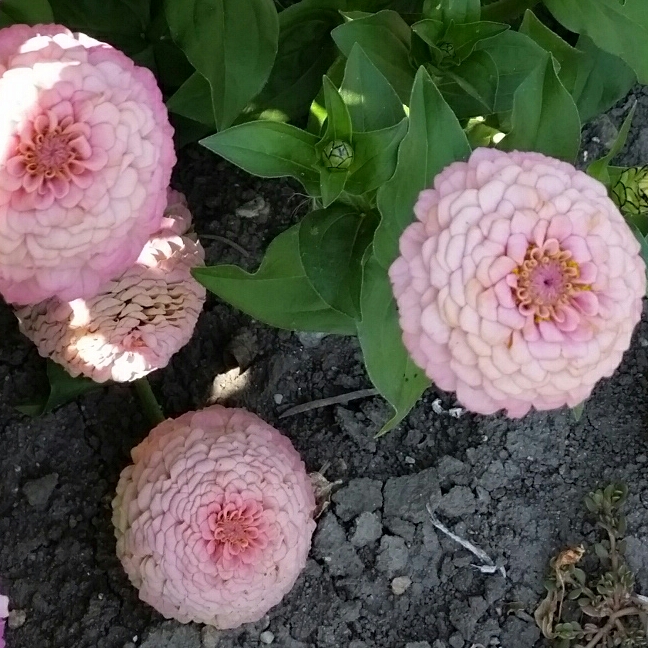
{"x": 338, "y": 155}
{"x": 630, "y": 193}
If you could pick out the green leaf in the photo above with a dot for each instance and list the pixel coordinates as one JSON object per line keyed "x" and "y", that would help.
{"x": 270, "y": 150}
{"x": 599, "y": 168}
{"x": 305, "y": 52}
{"x": 332, "y": 184}
{"x": 619, "y": 28}
{"x": 457, "y": 42}
{"x": 545, "y": 117}
{"x": 388, "y": 363}
{"x": 434, "y": 139}
{"x": 332, "y": 243}
{"x": 386, "y": 39}
{"x": 471, "y": 88}
{"x": 602, "y": 80}
{"x": 338, "y": 119}
{"x": 111, "y": 20}
{"x": 376, "y": 155}
{"x": 193, "y": 100}
{"x": 516, "y": 56}
{"x": 461, "y": 11}
{"x": 62, "y": 389}
{"x": 577, "y": 411}
{"x": 569, "y": 58}
{"x": 30, "y": 12}
{"x": 279, "y": 292}
{"x": 231, "y": 43}
{"x": 372, "y": 102}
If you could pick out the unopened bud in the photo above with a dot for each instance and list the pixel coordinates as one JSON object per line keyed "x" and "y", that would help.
{"x": 630, "y": 193}
{"x": 338, "y": 155}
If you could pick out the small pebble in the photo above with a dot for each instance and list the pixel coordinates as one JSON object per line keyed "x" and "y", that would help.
{"x": 16, "y": 619}
{"x": 400, "y": 584}
{"x": 266, "y": 637}
{"x": 410, "y": 460}
{"x": 209, "y": 637}
{"x": 254, "y": 208}
{"x": 278, "y": 399}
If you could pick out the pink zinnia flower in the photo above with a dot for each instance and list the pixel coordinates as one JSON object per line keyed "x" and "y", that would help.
{"x": 137, "y": 321}
{"x": 4, "y": 614}
{"x": 86, "y": 152}
{"x": 520, "y": 284}
{"x": 214, "y": 518}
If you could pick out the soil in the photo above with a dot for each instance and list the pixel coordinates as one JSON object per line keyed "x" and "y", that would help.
{"x": 379, "y": 574}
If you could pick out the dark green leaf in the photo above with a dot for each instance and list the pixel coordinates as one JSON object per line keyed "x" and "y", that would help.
{"x": 599, "y": 168}
{"x": 173, "y": 68}
{"x": 388, "y": 363}
{"x": 376, "y": 154}
{"x": 372, "y": 102}
{"x": 434, "y": 139}
{"x": 545, "y": 117}
{"x": 386, "y": 38}
{"x": 332, "y": 243}
{"x": 471, "y": 88}
{"x": 30, "y": 12}
{"x": 193, "y": 100}
{"x": 270, "y": 150}
{"x": 108, "y": 20}
{"x": 62, "y": 389}
{"x": 187, "y": 131}
{"x": 602, "y": 80}
{"x": 461, "y": 11}
{"x": 279, "y": 292}
{"x": 618, "y": 28}
{"x": 516, "y": 56}
{"x": 306, "y": 51}
{"x": 569, "y": 58}
{"x": 231, "y": 43}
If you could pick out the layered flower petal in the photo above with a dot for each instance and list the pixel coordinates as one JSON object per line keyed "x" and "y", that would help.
{"x": 519, "y": 285}
{"x": 214, "y": 518}
{"x": 137, "y": 321}
{"x": 86, "y": 153}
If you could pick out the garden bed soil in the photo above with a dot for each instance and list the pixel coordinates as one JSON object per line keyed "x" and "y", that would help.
{"x": 379, "y": 574}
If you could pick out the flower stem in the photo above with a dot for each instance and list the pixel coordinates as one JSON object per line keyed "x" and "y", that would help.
{"x": 504, "y": 10}
{"x": 150, "y": 404}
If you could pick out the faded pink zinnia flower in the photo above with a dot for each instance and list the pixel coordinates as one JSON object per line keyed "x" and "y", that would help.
{"x": 520, "y": 284}
{"x": 136, "y": 322}
{"x": 4, "y": 614}
{"x": 86, "y": 153}
{"x": 214, "y": 518}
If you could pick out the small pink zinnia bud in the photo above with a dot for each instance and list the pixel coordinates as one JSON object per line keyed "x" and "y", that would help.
{"x": 86, "y": 152}
{"x": 138, "y": 321}
{"x": 214, "y": 517}
{"x": 520, "y": 284}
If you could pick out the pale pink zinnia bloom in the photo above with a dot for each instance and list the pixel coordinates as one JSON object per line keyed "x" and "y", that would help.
{"x": 214, "y": 518}
{"x": 86, "y": 152}
{"x": 137, "y": 321}
{"x": 520, "y": 284}
{"x": 4, "y": 614}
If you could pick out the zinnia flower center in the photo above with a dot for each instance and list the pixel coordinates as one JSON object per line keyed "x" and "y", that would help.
{"x": 547, "y": 280}
{"x": 53, "y": 148}
{"x": 238, "y": 527}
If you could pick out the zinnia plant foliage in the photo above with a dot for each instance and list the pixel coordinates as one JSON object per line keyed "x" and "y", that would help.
{"x": 365, "y": 103}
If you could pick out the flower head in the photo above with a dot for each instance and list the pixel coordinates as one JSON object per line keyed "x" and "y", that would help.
{"x": 86, "y": 152}
{"x": 520, "y": 284}
{"x": 4, "y": 614}
{"x": 214, "y": 518}
{"x": 137, "y": 321}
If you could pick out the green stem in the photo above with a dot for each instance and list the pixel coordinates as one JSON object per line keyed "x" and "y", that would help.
{"x": 505, "y": 10}
{"x": 150, "y": 404}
